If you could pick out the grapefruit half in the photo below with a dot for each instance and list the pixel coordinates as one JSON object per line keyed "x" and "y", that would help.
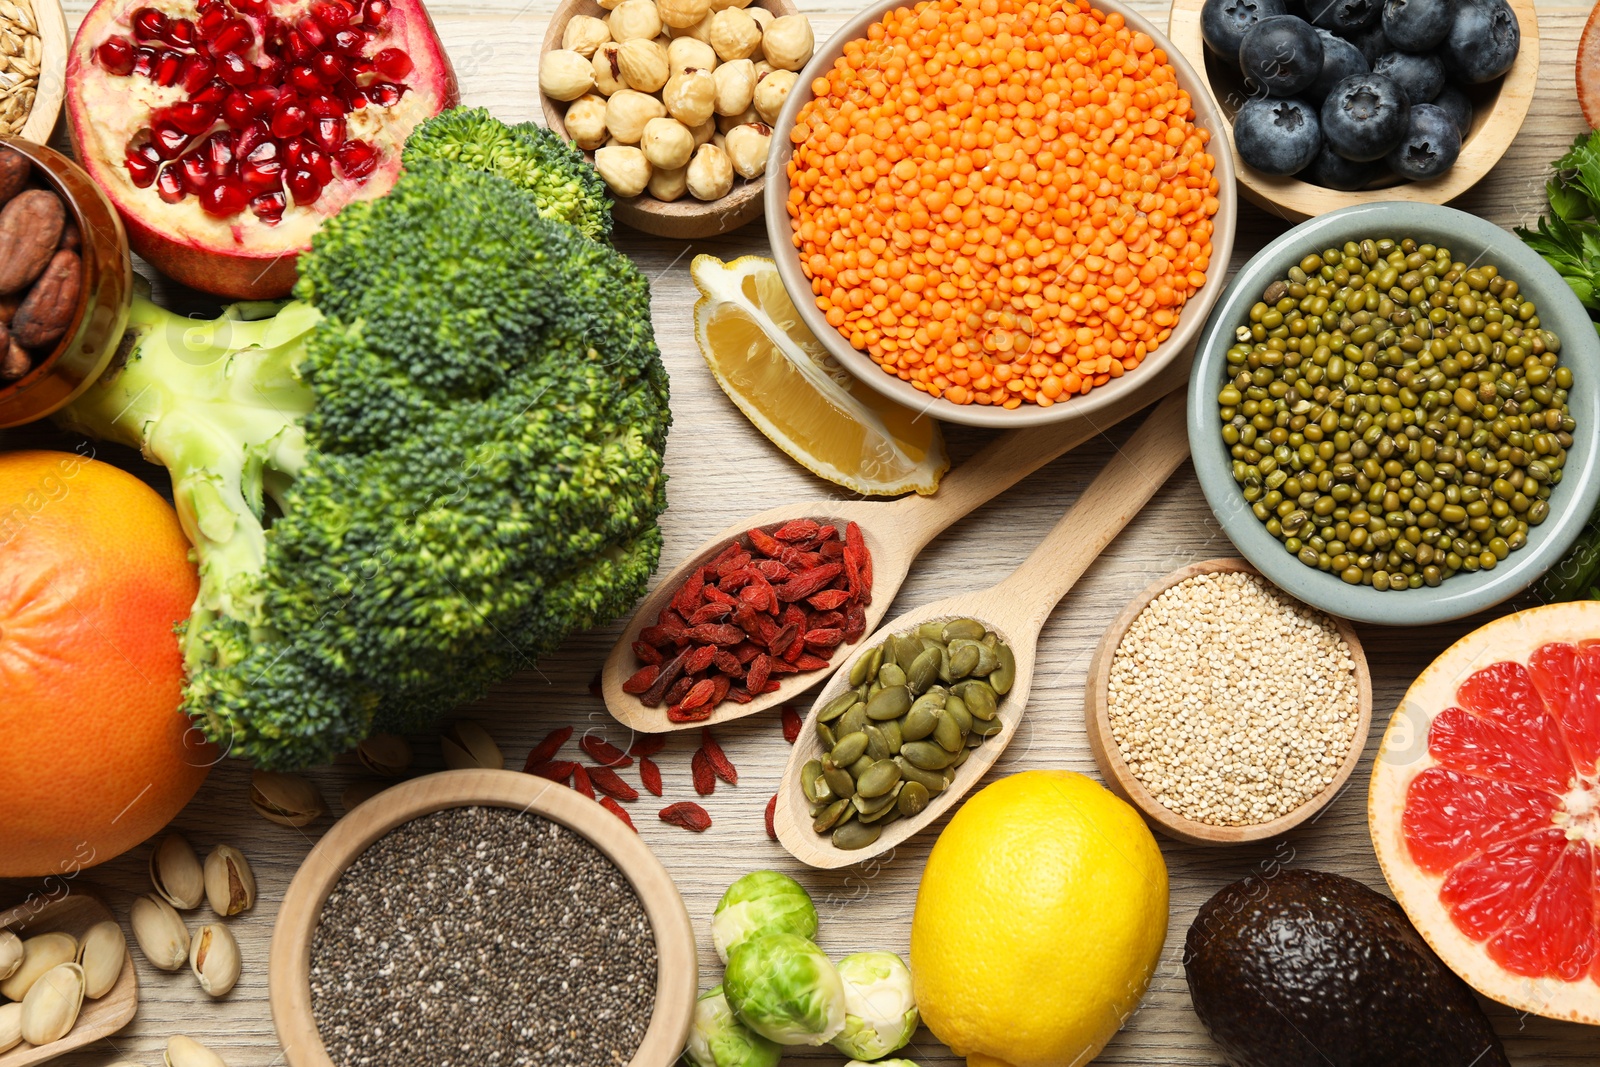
{"x": 1485, "y": 809}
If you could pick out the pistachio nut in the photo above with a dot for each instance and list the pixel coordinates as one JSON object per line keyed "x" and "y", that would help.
{"x": 286, "y": 799}
{"x": 388, "y": 755}
{"x": 10, "y": 1026}
{"x": 359, "y": 793}
{"x": 10, "y": 954}
{"x": 175, "y": 872}
{"x": 214, "y": 959}
{"x": 187, "y": 1052}
{"x": 230, "y": 883}
{"x": 39, "y": 954}
{"x": 52, "y": 1004}
{"x": 468, "y": 746}
{"x": 101, "y": 954}
{"x": 159, "y": 929}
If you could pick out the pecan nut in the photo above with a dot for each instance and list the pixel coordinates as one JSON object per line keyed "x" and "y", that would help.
{"x": 51, "y": 304}
{"x": 30, "y": 229}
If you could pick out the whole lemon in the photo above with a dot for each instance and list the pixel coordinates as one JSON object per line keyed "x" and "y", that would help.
{"x": 1039, "y": 921}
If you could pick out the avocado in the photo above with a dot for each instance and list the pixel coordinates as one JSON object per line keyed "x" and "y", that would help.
{"x": 1306, "y": 967}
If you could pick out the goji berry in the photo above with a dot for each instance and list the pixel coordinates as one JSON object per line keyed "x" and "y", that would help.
{"x": 855, "y": 548}
{"x": 791, "y": 724}
{"x": 824, "y": 639}
{"x": 746, "y": 651}
{"x": 650, "y": 774}
{"x": 699, "y": 695}
{"x": 546, "y": 750}
{"x": 808, "y": 662}
{"x": 661, "y": 636}
{"x": 680, "y": 689}
{"x": 703, "y": 773}
{"x": 711, "y": 612}
{"x": 580, "y": 782}
{"x": 805, "y": 584}
{"x": 700, "y": 659}
{"x": 774, "y": 685}
{"x": 610, "y": 783}
{"x": 648, "y": 653}
{"x": 827, "y": 533}
{"x": 554, "y": 770}
{"x": 772, "y": 808}
{"x": 604, "y": 752}
{"x": 773, "y": 571}
{"x": 717, "y": 596}
{"x": 648, "y": 745}
{"x": 782, "y": 640}
{"x": 796, "y": 530}
{"x": 669, "y": 618}
{"x": 720, "y": 763}
{"x": 760, "y": 668}
{"x": 740, "y": 696}
{"x": 688, "y": 597}
{"x": 676, "y": 713}
{"x": 687, "y": 814}
{"x": 719, "y": 690}
{"x": 828, "y": 599}
{"x": 717, "y": 633}
{"x": 642, "y": 679}
{"x": 728, "y": 663}
{"x": 827, "y": 620}
{"x": 832, "y": 550}
{"x": 616, "y": 809}
{"x": 855, "y": 622}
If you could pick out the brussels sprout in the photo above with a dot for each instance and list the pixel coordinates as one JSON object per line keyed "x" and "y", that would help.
{"x": 719, "y": 1039}
{"x": 759, "y": 903}
{"x": 783, "y": 987}
{"x": 880, "y": 1010}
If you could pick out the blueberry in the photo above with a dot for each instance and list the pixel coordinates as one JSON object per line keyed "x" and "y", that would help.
{"x": 1345, "y": 16}
{"x": 1483, "y": 40}
{"x": 1332, "y": 171}
{"x": 1364, "y": 117}
{"x": 1224, "y": 22}
{"x": 1281, "y": 55}
{"x": 1457, "y": 105}
{"x": 1373, "y": 42}
{"x": 1277, "y": 136}
{"x": 1430, "y": 145}
{"x": 1417, "y": 25}
{"x": 1340, "y": 60}
{"x": 1420, "y": 77}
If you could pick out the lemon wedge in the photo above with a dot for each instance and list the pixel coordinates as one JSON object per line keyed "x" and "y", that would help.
{"x": 785, "y": 382}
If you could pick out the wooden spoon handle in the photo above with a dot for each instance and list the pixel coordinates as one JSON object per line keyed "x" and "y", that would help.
{"x": 1115, "y": 496}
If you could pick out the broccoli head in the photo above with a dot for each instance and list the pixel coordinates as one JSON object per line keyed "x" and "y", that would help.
{"x": 437, "y": 462}
{"x": 562, "y": 182}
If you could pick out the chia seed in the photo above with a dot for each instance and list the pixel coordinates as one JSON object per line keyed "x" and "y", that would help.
{"x": 478, "y": 936}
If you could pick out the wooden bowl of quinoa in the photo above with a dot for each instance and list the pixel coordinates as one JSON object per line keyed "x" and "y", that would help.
{"x": 435, "y": 920}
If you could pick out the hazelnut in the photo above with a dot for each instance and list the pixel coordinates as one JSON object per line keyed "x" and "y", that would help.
{"x": 624, "y": 169}
{"x": 644, "y": 65}
{"x": 710, "y": 175}
{"x": 607, "y": 66}
{"x": 681, "y": 14}
{"x": 669, "y": 185}
{"x": 627, "y": 112}
{"x": 635, "y": 18}
{"x": 728, "y": 122}
{"x": 762, "y": 16}
{"x": 565, "y": 75}
{"x": 586, "y": 121}
{"x": 704, "y": 132}
{"x": 735, "y": 35}
{"x": 690, "y": 96}
{"x": 747, "y": 148}
{"x": 772, "y": 91}
{"x": 700, "y": 31}
{"x": 788, "y": 42}
{"x": 584, "y": 33}
{"x": 763, "y": 68}
{"x": 667, "y": 143}
{"x": 686, "y": 52}
{"x": 736, "y": 86}
{"x": 723, "y": 5}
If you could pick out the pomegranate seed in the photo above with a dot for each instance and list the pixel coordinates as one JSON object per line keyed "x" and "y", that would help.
{"x": 168, "y": 69}
{"x": 314, "y": 32}
{"x": 393, "y": 63}
{"x": 321, "y": 166}
{"x": 246, "y": 140}
{"x": 211, "y": 19}
{"x": 168, "y": 141}
{"x": 330, "y": 14}
{"x": 357, "y": 159}
{"x": 170, "y": 185}
{"x": 232, "y": 69}
{"x": 190, "y": 117}
{"x": 210, "y": 5}
{"x": 329, "y": 68}
{"x": 213, "y": 94}
{"x": 351, "y": 42}
{"x": 224, "y": 198}
{"x": 234, "y": 35}
{"x": 180, "y": 33}
{"x": 305, "y": 77}
{"x": 251, "y": 7}
{"x": 354, "y": 99}
{"x": 269, "y": 207}
{"x": 149, "y": 24}
{"x": 298, "y": 47}
{"x": 360, "y": 65}
{"x": 237, "y": 110}
{"x": 323, "y": 106}
{"x": 218, "y": 153}
{"x": 271, "y": 70}
{"x": 196, "y": 169}
{"x": 197, "y": 70}
{"x": 373, "y": 12}
{"x": 116, "y": 55}
{"x": 145, "y": 60}
{"x": 329, "y": 132}
{"x": 142, "y": 163}
{"x": 385, "y": 94}
{"x": 304, "y": 185}
{"x": 288, "y": 120}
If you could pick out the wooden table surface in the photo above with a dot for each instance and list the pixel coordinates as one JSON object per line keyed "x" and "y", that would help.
{"x": 722, "y": 468}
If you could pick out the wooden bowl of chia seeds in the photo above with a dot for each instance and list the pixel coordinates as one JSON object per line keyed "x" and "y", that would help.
{"x": 472, "y": 916}
{"x": 1225, "y": 710}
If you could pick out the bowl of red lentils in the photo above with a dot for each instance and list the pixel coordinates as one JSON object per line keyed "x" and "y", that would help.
{"x": 1002, "y": 212}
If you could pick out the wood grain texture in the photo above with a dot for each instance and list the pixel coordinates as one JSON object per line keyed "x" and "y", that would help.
{"x": 721, "y": 469}
{"x": 53, "y": 40}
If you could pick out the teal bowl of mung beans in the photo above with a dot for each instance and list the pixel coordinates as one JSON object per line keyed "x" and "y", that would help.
{"x": 1394, "y": 413}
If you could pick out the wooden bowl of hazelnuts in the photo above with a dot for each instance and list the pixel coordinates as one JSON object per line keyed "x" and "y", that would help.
{"x": 674, "y": 101}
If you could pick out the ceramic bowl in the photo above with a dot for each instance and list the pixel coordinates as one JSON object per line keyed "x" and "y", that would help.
{"x": 1499, "y": 108}
{"x": 1101, "y": 400}
{"x": 1470, "y": 239}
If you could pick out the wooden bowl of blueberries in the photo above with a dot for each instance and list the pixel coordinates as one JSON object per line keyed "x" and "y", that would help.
{"x": 1340, "y": 102}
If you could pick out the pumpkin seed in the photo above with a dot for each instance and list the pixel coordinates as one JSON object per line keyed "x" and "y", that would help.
{"x": 988, "y": 660}
{"x": 838, "y": 779}
{"x": 891, "y": 676}
{"x": 859, "y": 767}
{"x": 837, "y": 706}
{"x": 869, "y": 806}
{"x": 918, "y": 723}
{"x": 882, "y": 817}
{"x": 980, "y": 699}
{"x": 810, "y": 777}
{"x": 960, "y": 758}
{"x": 1005, "y": 672}
{"x": 866, "y": 666}
{"x": 830, "y": 816}
{"x": 892, "y": 736}
{"x": 851, "y": 721}
{"x": 944, "y": 667}
{"x": 932, "y": 781}
{"x": 963, "y": 660}
{"x": 970, "y": 629}
{"x": 947, "y": 733}
{"x": 956, "y": 708}
{"x": 855, "y": 835}
{"x": 890, "y": 704}
{"x": 986, "y": 728}
{"x": 825, "y": 735}
{"x": 878, "y": 779}
{"x": 931, "y": 631}
{"x": 912, "y": 799}
{"x": 906, "y": 651}
{"x": 924, "y": 670}
{"x": 925, "y": 754}
{"x": 849, "y": 748}
{"x": 877, "y": 743}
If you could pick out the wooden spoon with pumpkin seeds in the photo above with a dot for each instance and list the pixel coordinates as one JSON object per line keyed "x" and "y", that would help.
{"x": 1013, "y": 611}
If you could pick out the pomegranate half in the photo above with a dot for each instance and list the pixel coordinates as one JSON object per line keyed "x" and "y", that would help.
{"x": 225, "y": 131}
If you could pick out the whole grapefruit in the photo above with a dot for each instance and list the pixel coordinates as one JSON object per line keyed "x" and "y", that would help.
{"x": 96, "y": 573}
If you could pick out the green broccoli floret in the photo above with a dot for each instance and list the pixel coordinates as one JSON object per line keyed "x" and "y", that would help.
{"x": 561, "y": 180}
{"x": 425, "y": 472}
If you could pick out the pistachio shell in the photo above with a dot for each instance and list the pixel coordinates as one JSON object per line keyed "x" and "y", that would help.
{"x": 187, "y": 1052}
{"x": 10, "y": 1026}
{"x": 176, "y": 874}
{"x": 10, "y": 954}
{"x": 286, "y": 799}
{"x": 214, "y": 958}
{"x": 39, "y": 954}
{"x": 52, "y": 1004}
{"x": 230, "y": 883}
{"x": 385, "y": 754}
{"x": 468, "y": 746}
{"x": 159, "y": 930}
{"x": 101, "y": 954}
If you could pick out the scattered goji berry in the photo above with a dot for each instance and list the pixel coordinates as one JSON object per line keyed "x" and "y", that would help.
{"x": 704, "y": 774}
{"x": 648, "y": 745}
{"x": 687, "y": 814}
{"x": 700, "y": 659}
{"x": 650, "y": 774}
{"x": 604, "y": 752}
{"x": 580, "y": 781}
{"x": 772, "y": 807}
{"x": 720, "y": 763}
{"x": 555, "y": 770}
{"x": 616, "y": 809}
{"x": 642, "y": 679}
{"x": 546, "y": 750}
{"x": 791, "y": 724}
{"x": 610, "y": 783}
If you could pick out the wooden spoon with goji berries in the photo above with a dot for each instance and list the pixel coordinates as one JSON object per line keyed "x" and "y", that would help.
{"x": 1015, "y": 611}
{"x": 766, "y": 609}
